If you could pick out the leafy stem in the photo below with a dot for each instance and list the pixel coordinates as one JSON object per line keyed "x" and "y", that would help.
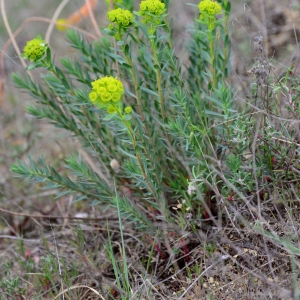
{"x": 158, "y": 79}
{"x": 135, "y": 84}
{"x": 137, "y": 154}
{"x": 212, "y": 57}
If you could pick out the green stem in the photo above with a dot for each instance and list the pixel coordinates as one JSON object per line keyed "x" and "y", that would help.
{"x": 226, "y": 52}
{"x": 135, "y": 84}
{"x": 140, "y": 108}
{"x": 161, "y": 101}
{"x": 212, "y": 58}
{"x": 158, "y": 79}
{"x": 137, "y": 155}
{"x": 141, "y": 113}
{"x": 212, "y": 68}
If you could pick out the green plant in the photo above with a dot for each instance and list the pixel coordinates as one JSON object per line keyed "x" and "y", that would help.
{"x": 10, "y": 287}
{"x": 169, "y": 110}
{"x": 184, "y": 154}
{"x": 160, "y": 136}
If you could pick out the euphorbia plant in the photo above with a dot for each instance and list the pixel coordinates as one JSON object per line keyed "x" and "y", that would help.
{"x": 128, "y": 100}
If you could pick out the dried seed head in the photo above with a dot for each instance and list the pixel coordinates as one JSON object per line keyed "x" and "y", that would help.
{"x": 115, "y": 165}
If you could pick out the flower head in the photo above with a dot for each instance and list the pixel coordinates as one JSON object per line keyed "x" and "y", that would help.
{"x": 35, "y": 49}
{"x": 106, "y": 93}
{"x": 155, "y": 7}
{"x": 128, "y": 109}
{"x": 208, "y": 10}
{"x": 111, "y": 109}
{"x": 151, "y": 10}
{"x": 209, "y": 7}
{"x": 120, "y": 16}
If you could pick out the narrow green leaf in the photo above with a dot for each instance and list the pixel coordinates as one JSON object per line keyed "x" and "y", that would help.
{"x": 149, "y": 91}
{"x": 109, "y": 117}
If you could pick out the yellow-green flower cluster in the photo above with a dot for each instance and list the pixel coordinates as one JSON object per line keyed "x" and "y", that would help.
{"x": 208, "y": 11}
{"x": 155, "y": 7}
{"x": 106, "y": 93}
{"x": 120, "y": 16}
{"x": 209, "y": 8}
{"x": 34, "y": 49}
